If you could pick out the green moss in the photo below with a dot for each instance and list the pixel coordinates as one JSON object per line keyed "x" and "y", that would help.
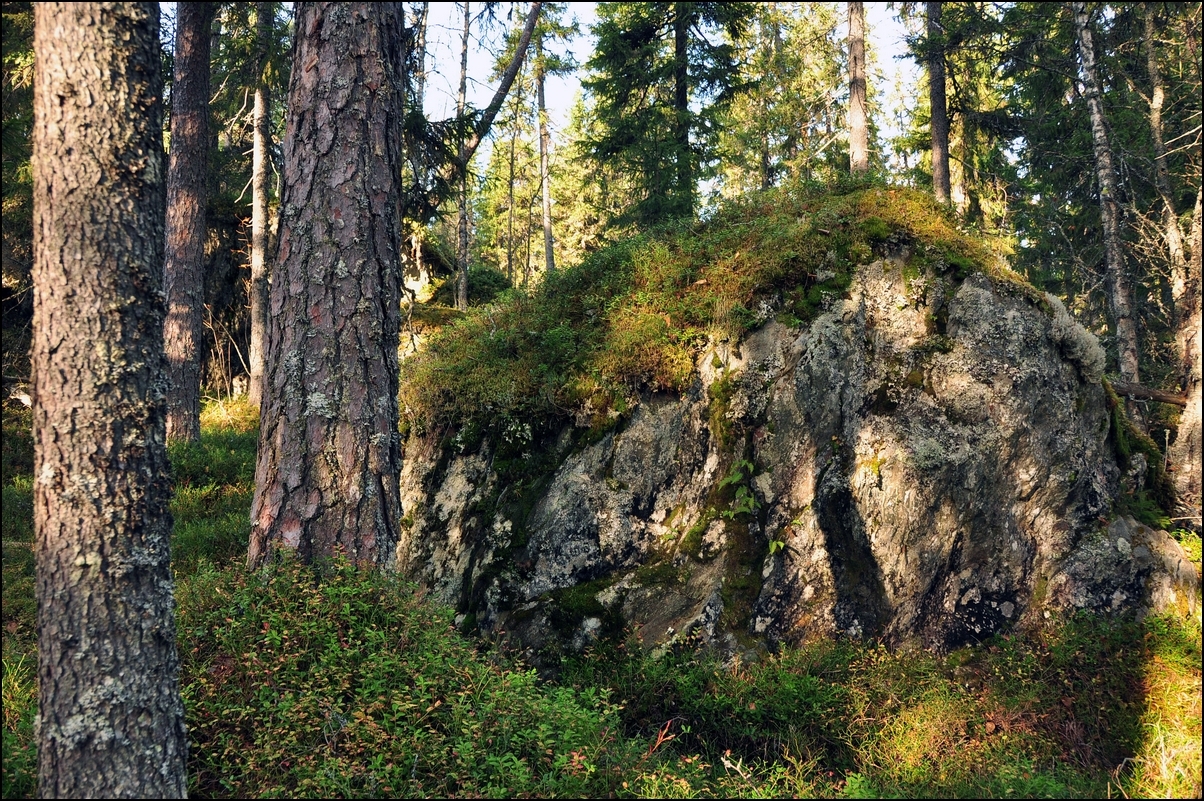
{"x": 635, "y": 316}
{"x": 569, "y": 606}
{"x": 721, "y": 392}
{"x": 691, "y": 543}
{"x": 1148, "y": 505}
{"x": 875, "y": 229}
{"x": 660, "y": 574}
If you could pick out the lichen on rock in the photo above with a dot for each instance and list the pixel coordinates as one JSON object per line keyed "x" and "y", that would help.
{"x": 925, "y": 459}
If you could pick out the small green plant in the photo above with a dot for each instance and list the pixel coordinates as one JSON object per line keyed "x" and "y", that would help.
{"x": 744, "y": 502}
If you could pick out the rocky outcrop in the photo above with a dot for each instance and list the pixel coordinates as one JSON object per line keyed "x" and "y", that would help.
{"x": 926, "y": 461}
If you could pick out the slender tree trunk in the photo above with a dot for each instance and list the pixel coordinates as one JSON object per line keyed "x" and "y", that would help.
{"x": 859, "y": 139}
{"x": 111, "y": 720}
{"x": 462, "y": 194}
{"x": 936, "y": 100}
{"x": 259, "y": 205}
{"x": 545, "y": 177}
{"x": 683, "y": 204}
{"x": 510, "y": 199}
{"x": 1121, "y": 291}
{"x": 419, "y": 99}
{"x": 329, "y": 458}
{"x": 187, "y": 185}
{"x": 1162, "y": 177}
{"x": 1186, "y": 453}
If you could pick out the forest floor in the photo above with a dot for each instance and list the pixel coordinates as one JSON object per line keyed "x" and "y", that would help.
{"x": 327, "y": 681}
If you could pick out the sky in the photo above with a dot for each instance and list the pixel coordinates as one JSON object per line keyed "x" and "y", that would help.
{"x": 895, "y": 68}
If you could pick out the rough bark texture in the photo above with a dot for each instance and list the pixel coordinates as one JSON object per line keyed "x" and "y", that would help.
{"x": 936, "y": 100}
{"x": 1186, "y": 453}
{"x": 462, "y": 180}
{"x": 545, "y": 177}
{"x": 859, "y": 147}
{"x": 684, "y": 200}
{"x": 1162, "y": 176}
{"x": 329, "y": 455}
{"x": 1120, "y": 295}
{"x": 187, "y": 180}
{"x": 259, "y": 206}
{"x": 111, "y": 721}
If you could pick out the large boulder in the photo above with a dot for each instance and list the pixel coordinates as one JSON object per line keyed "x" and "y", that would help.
{"x": 927, "y": 461}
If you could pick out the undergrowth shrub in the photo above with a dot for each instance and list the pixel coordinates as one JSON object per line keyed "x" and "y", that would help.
{"x": 334, "y": 681}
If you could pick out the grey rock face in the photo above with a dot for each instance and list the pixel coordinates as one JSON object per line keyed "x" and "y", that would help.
{"x": 924, "y": 462}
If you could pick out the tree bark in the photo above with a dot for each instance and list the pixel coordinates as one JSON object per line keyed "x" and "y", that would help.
{"x": 859, "y": 147}
{"x": 111, "y": 719}
{"x": 462, "y": 183}
{"x": 485, "y": 122}
{"x": 1145, "y": 393}
{"x": 326, "y": 478}
{"x": 1185, "y": 452}
{"x": 1162, "y": 180}
{"x": 187, "y": 189}
{"x": 545, "y": 177}
{"x": 510, "y": 198}
{"x": 187, "y": 185}
{"x": 684, "y": 200}
{"x": 259, "y": 205}
{"x": 936, "y": 100}
{"x": 419, "y": 76}
{"x": 1120, "y": 294}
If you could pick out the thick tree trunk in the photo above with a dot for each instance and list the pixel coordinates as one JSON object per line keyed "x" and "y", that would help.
{"x": 462, "y": 184}
{"x": 329, "y": 453}
{"x": 111, "y": 719}
{"x": 936, "y": 100}
{"x": 545, "y": 177}
{"x": 259, "y": 206}
{"x": 859, "y": 138}
{"x": 187, "y": 184}
{"x": 683, "y": 204}
{"x": 1120, "y": 294}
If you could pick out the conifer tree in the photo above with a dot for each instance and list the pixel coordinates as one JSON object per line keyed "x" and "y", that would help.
{"x": 652, "y": 63}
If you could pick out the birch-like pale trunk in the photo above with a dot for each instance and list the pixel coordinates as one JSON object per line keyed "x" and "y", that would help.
{"x": 1120, "y": 295}
{"x": 259, "y": 206}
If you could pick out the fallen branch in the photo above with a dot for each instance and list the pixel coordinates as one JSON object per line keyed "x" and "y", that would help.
{"x": 1143, "y": 393}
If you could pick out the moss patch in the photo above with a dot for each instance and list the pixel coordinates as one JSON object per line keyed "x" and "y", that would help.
{"x": 635, "y": 316}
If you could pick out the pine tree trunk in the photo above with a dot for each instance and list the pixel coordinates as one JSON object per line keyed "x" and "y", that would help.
{"x": 683, "y": 203}
{"x": 419, "y": 77}
{"x": 259, "y": 206}
{"x": 1185, "y": 452}
{"x": 936, "y": 100}
{"x": 329, "y": 458}
{"x": 1121, "y": 292}
{"x": 187, "y": 185}
{"x": 111, "y": 719}
{"x": 510, "y": 199}
{"x": 462, "y": 184}
{"x": 859, "y": 139}
{"x": 1162, "y": 180}
{"x": 544, "y": 175}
